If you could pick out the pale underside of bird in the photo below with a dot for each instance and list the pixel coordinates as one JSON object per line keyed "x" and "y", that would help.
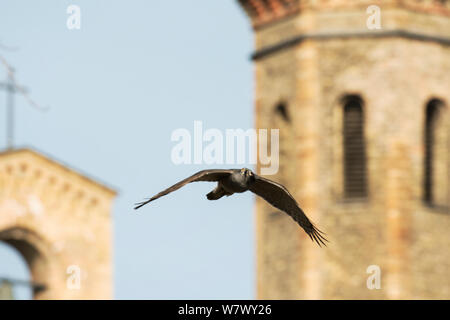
{"x": 230, "y": 181}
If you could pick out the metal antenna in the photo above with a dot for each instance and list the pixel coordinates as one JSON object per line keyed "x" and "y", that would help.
{"x": 10, "y": 87}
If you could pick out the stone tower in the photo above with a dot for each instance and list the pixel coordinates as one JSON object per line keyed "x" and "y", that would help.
{"x": 364, "y": 125}
{"x": 60, "y": 221}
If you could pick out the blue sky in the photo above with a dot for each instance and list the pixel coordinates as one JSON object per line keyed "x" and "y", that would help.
{"x": 117, "y": 88}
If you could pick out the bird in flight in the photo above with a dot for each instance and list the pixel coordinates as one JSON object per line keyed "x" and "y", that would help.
{"x": 230, "y": 181}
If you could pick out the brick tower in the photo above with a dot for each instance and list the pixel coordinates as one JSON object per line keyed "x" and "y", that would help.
{"x": 364, "y": 127}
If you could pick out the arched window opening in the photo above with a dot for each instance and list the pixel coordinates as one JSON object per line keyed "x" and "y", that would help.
{"x": 27, "y": 267}
{"x": 14, "y": 275}
{"x": 354, "y": 149}
{"x": 436, "y": 174}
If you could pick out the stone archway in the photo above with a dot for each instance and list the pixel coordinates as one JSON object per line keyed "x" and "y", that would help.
{"x": 34, "y": 251}
{"x": 60, "y": 222}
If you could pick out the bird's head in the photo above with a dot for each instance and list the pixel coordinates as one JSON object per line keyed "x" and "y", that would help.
{"x": 247, "y": 173}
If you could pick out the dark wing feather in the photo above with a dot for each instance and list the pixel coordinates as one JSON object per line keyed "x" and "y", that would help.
{"x": 278, "y": 196}
{"x": 204, "y": 175}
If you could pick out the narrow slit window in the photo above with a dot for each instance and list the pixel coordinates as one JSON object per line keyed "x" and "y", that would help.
{"x": 354, "y": 149}
{"x": 435, "y": 188}
{"x": 282, "y": 110}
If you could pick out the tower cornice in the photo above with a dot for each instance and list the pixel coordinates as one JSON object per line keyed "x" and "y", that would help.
{"x": 262, "y": 52}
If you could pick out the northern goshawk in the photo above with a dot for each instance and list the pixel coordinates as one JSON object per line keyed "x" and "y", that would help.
{"x": 230, "y": 181}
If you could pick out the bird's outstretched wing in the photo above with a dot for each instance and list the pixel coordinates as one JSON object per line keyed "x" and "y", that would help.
{"x": 278, "y": 196}
{"x": 204, "y": 175}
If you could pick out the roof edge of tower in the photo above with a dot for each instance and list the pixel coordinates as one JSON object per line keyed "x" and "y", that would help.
{"x": 45, "y": 156}
{"x": 264, "y": 13}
